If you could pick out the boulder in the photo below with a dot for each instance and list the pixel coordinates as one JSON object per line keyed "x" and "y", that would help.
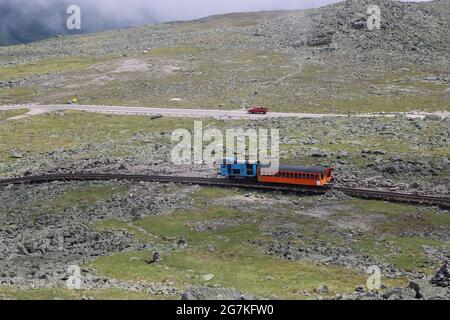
{"x": 442, "y": 276}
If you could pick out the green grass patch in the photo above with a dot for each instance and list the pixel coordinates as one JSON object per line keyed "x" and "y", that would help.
{"x": 406, "y": 253}
{"x": 54, "y": 65}
{"x": 17, "y": 95}
{"x": 205, "y": 194}
{"x": 84, "y": 196}
{"x": 398, "y": 218}
{"x": 52, "y": 131}
{"x": 233, "y": 261}
{"x": 388, "y": 237}
{"x": 171, "y": 52}
{"x": 246, "y": 270}
{"x": 11, "y": 113}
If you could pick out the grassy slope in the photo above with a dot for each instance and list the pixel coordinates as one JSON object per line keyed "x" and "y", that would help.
{"x": 225, "y": 253}
{"x": 76, "y": 130}
{"x": 11, "y": 113}
{"x": 208, "y": 77}
{"x": 236, "y": 263}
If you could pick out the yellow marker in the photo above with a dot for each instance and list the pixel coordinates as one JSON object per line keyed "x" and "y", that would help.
{"x": 75, "y": 100}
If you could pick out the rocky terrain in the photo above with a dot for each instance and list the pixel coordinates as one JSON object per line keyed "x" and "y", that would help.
{"x": 153, "y": 241}
{"x": 365, "y": 152}
{"x": 46, "y": 228}
{"x": 40, "y": 239}
{"x": 337, "y": 28}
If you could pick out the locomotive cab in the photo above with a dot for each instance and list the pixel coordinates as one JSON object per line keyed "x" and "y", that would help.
{"x": 236, "y": 169}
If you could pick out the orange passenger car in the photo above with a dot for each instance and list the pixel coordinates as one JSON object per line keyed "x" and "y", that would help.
{"x": 306, "y": 176}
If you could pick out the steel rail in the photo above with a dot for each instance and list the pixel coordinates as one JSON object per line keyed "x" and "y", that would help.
{"x": 236, "y": 183}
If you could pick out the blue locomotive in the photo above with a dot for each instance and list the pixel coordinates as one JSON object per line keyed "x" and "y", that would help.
{"x": 235, "y": 168}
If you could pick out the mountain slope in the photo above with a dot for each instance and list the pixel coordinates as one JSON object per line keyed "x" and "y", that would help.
{"x": 318, "y": 60}
{"x": 405, "y": 28}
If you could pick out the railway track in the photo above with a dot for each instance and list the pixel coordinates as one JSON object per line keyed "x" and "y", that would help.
{"x": 359, "y": 193}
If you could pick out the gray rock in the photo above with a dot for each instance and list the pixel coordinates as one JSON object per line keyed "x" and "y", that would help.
{"x": 21, "y": 249}
{"x": 442, "y": 276}
{"x": 391, "y": 169}
{"x": 15, "y": 155}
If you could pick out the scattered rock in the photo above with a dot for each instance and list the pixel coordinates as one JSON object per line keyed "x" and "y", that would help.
{"x": 156, "y": 258}
{"x": 442, "y": 277}
{"x": 208, "y": 277}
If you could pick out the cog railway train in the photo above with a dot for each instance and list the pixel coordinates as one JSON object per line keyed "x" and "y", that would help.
{"x": 286, "y": 174}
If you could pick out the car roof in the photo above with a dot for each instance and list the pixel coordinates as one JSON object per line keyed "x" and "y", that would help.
{"x": 292, "y": 168}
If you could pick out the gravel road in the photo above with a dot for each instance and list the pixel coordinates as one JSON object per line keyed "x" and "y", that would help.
{"x": 193, "y": 113}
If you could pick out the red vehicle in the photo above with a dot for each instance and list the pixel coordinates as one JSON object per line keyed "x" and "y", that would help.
{"x": 258, "y": 110}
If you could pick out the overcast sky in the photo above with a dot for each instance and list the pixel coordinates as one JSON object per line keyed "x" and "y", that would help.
{"x": 188, "y": 9}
